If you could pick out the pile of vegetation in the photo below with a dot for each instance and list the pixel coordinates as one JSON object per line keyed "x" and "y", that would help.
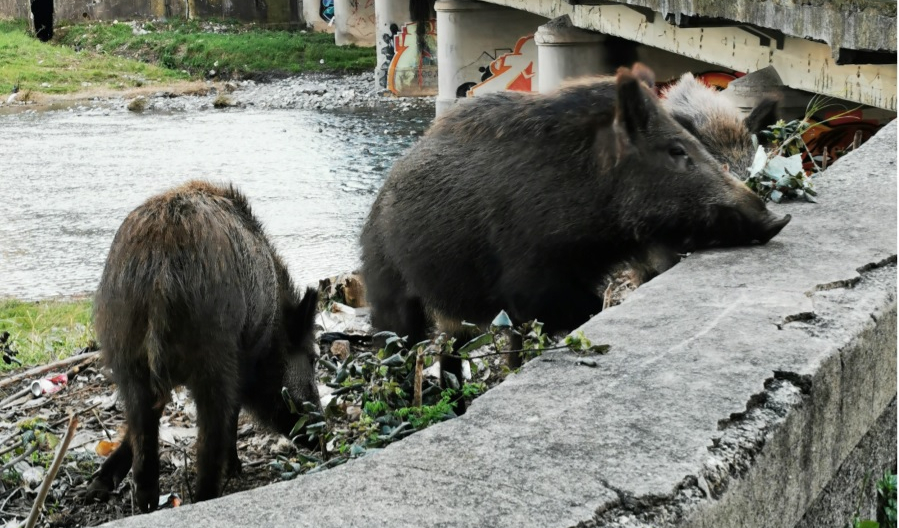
{"x": 383, "y": 394}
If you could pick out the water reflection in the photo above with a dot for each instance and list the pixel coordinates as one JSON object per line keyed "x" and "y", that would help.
{"x": 67, "y": 181}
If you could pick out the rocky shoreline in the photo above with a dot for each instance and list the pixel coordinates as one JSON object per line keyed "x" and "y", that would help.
{"x": 309, "y": 91}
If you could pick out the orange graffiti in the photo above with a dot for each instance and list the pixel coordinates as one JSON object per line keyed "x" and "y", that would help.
{"x": 511, "y": 71}
{"x": 410, "y": 67}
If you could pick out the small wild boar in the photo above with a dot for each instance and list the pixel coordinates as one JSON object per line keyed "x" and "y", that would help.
{"x": 524, "y": 202}
{"x": 717, "y": 123}
{"x": 194, "y": 294}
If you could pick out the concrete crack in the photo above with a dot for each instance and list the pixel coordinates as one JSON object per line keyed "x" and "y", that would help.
{"x": 731, "y": 455}
{"x": 852, "y": 282}
{"x": 801, "y": 316}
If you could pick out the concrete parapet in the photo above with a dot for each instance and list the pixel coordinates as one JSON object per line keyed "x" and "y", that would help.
{"x": 738, "y": 386}
{"x": 565, "y": 51}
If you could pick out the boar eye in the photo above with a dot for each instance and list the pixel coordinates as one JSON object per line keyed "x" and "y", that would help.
{"x": 677, "y": 151}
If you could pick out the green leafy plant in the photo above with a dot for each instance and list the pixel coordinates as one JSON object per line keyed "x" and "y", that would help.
{"x": 886, "y": 498}
{"x": 886, "y": 492}
{"x": 777, "y": 172}
{"x": 380, "y": 397}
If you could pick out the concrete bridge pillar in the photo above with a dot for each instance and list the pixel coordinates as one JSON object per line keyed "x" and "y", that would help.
{"x": 483, "y": 48}
{"x": 354, "y": 22}
{"x": 565, "y": 51}
{"x": 407, "y": 54}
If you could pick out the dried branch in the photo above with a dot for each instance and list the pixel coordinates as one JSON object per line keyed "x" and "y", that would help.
{"x": 51, "y": 475}
{"x": 31, "y": 449}
{"x": 81, "y": 359}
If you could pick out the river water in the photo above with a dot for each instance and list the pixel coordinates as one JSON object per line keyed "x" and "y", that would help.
{"x": 69, "y": 178}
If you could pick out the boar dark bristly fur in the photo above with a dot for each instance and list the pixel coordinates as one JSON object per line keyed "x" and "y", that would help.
{"x": 194, "y": 294}
{"x": 524, "y": 202}
{"x": 718, "y": 124}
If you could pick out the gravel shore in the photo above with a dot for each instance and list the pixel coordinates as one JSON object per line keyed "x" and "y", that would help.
{"x": 311, "y": 91}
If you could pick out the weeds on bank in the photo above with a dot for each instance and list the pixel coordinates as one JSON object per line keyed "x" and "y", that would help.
{"x": 29, "y": 65}
{"x": 125, "y": 55}
{"x": 201, "y": 49}
{"x": 380, "y": 397}
{"x": 40, "y": 332}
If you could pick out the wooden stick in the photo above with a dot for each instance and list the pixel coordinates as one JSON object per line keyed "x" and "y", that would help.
{"x": 824, "y": 160}
{"x": 857, "y": 140}
{"x": 54, "y": 469}
{"x": 86, "y": 358}
{"x": 102, "y": 425}
{"x": 24, "y": 392}
{"x": 419, "y": 374}
{"x": 31, "y": 449}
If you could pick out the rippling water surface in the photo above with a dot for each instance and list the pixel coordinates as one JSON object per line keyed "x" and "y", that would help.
{"x": 67, "y": 181}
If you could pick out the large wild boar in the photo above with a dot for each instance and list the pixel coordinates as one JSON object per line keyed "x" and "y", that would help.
{"x": 524, "y": 202}
{"x": 194, "y": 294}
{"x": 717, "y": 123}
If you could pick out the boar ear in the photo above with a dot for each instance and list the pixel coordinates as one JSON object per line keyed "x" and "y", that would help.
{"x": 767, "y": 112}
{"x": 644, "y": 74}
{"x": 635, "y": 108}
{"x": 301, "y": 317}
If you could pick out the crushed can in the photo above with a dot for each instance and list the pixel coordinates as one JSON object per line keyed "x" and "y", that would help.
{"x": 49, "y": 385}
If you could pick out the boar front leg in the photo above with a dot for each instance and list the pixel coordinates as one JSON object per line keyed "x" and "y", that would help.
{"x": 560, "y": 304}
{"x": 111, "y": 473}
{"x": 142, "y": 413}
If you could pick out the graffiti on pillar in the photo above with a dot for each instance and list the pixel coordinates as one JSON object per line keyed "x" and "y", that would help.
{"x": 515, "y": 71}
{"x": 361, "y": 20}
{"x": 413, "y": 71}
{"x": 326, "y": 10}
{"x": 389, "y": 53}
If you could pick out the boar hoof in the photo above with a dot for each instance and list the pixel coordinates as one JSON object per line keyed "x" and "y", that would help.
{"x": 234, "y": 467}
{"x": 147, "y": 497}
{"x": 99, "y": 490}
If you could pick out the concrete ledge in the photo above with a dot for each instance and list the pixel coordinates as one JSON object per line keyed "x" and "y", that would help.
{"x": 737, "y": 386}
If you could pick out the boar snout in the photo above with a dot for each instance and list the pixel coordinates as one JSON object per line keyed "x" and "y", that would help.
{"x": 772, "y": 227}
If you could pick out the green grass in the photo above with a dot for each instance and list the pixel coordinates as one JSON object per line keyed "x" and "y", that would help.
{"x": 30, "y": 63}
{"x": 47, "y": 330}
{"x": 240, "y": 49}
{"x": 112, "y": 55}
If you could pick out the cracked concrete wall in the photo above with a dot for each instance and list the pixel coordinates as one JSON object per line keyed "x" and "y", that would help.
{"x": 852, "y": 491}
{"x": 737, "y": 386}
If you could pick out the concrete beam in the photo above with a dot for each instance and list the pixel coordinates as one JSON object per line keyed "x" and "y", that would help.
{"x": 857, "y": 25}
{"x": 801, "y": 64}
{"x": 737, "y": 385}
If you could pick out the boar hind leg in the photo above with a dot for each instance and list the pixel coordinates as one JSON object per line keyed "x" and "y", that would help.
{"x": 392, "y": 307}
{"x": 217, "y": 411}
{"x": 142, "y": 413}
{"x": 111, "y": 473}
{"x": 233, "y": 467}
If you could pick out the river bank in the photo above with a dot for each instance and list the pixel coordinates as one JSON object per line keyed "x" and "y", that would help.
{"x": 306, "y": 91}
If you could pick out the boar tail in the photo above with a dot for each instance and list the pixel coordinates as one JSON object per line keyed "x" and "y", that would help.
{"x": 308, "y": 307}
{"x": 153, "y": 343}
